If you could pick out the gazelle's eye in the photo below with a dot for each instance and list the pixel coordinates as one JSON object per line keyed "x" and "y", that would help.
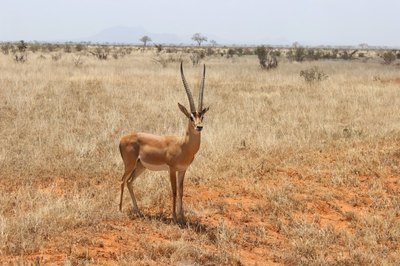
{"x": 191, "y": 118}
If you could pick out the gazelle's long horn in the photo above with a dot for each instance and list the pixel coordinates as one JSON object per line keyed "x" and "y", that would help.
{"x": 201, "y": 92}
{"x": 189, "y": 94}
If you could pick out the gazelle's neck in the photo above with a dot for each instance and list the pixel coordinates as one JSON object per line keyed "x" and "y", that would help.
{"x": 192, "y": 138}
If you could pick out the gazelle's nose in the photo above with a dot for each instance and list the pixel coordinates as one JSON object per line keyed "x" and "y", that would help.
{"x": 199, "y": 128}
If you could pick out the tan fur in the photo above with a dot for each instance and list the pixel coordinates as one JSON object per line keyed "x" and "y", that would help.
{"x": 174, "y": 152}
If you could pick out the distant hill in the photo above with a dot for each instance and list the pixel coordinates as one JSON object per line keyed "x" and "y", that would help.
{"x": 130, "y": 35}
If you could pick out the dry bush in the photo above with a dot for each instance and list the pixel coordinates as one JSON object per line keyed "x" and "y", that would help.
{"x": 20, "y": 57}
{"x": 101, "y": 52}
{"x": 6, "y": 48}
{"x": 55, "y": 57}
{"x": 312, "y": 75}
{"x": 165, "y": 59}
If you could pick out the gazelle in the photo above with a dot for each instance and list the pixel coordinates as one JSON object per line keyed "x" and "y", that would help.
{"x": 141, "y": 151}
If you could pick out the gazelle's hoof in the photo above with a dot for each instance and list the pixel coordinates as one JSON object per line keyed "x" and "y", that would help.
{"x": 137, "y": 213}
{"x": 181, "y": 220}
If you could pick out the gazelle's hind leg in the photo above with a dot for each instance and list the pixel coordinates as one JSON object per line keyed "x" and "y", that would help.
{"x": 125, "y": 177}
{"x": 130, "y": 160}
{"x": 137, "y": 172}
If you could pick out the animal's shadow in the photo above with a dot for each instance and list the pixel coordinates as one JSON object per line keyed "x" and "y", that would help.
{"x": 190, "y": 224}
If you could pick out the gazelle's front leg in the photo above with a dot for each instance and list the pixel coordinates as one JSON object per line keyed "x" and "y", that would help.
{"x": 172, "y": 176}
{"x": 181, "y": 216}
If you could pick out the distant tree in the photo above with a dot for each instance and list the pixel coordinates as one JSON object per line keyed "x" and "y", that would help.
{"x": 145, "y": 39}
{"x": 22, "y": 46}
{"x": 197, "y": 37}
{"x": 20, "y": 55}
{"x": 213, "y": 43}
{"x": 296, "y": 44}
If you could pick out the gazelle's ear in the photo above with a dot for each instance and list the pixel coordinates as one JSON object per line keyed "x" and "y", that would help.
{"x": 184, "y": 110}
{"x": 205, "y": 110}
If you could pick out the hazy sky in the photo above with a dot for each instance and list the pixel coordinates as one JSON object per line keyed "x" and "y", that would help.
{"x": 311, "y": 22}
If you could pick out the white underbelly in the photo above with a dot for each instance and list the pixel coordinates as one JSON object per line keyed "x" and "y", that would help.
{"x": 155, "y": 167}
{"x": 162, "y": 167}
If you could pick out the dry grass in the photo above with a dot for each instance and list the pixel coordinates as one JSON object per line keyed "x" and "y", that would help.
{"x": 287, "y": 173}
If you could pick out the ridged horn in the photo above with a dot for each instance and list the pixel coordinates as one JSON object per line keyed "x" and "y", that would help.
{"x": 201, "y": 92}
{"x": 188, "y": 93}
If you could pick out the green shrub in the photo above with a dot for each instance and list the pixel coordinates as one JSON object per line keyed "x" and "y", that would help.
{"x": 348, "y": 55}
{"x": 297, "y": 54}
{"x": 67, "y": 48}
{"x": 22, "y": 46}
{"x": 313, "y": 54}
{"x": 210, "y": 51}
{"x": 5, "y": 48}
{"x": 79, "y": 47}
{"x": 266, "y": 57}
{"x": 230, "y": 53}
{"x": 388, "y": 57}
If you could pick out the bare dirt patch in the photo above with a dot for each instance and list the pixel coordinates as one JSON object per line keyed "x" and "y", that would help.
{"x": 227, "y": 224}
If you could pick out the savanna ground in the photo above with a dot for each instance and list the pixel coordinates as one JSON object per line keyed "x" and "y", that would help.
{"x": 287, "y": 173}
